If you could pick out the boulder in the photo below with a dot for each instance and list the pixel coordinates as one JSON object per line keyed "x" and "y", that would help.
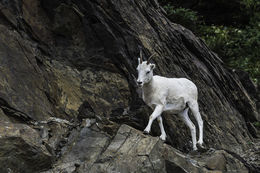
{"x": 21, "y": 149}
{"x": 217, "y": 162}
{"x": 83, "y": 146}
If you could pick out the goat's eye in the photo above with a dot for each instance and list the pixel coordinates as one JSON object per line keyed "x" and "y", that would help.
{"x": 148, "y": 72}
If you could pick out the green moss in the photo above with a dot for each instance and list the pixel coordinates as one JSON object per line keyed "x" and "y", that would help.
{"x": 185, "y": 17}
{"x": 257, "y": 124}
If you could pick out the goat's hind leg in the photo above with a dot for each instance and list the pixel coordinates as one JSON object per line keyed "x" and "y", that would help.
{"x": 195, "y": 111}
{"x": 185, "y": 117}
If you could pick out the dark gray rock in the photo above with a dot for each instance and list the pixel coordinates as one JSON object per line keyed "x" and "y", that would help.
{"x": 21, "y": 149}
{"x": 83, "y": 148}
{"x": 132, "y": 151}
{"x": 247, "y": 83}
{"x": 216, "y": 162}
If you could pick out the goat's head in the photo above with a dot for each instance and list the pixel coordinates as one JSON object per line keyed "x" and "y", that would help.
{"x": 145, "y": 70}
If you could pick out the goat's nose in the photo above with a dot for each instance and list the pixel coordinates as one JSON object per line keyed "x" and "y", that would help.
{"x": 139, "y": 83}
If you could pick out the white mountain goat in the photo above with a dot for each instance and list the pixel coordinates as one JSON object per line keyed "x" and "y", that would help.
{"x": 176, "y": 95}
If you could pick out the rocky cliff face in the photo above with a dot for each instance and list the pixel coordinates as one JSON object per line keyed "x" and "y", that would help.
{"x": 67, "y": 84}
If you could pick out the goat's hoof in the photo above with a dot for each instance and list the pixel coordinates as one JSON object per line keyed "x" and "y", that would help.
{"x": 195, "y": 148}
{"x": 200, "y": 143}
{"x": 163, "y": 137}
{"x": 145, "y": 132}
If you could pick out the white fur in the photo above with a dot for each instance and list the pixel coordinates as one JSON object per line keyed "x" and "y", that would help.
{"x": 175, "y": 95}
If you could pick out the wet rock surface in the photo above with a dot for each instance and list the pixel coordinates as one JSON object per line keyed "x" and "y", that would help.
{"x": 67, "y": 76}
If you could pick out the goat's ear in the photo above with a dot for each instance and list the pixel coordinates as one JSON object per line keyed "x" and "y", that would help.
{"x": 139, "y": 61}
{"x": 152, "y": 66}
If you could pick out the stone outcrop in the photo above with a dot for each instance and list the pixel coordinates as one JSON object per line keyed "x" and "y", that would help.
{"x": 132, "y": 151}
{"x": 21, "y": 149}
{"x": 62, "y": 62}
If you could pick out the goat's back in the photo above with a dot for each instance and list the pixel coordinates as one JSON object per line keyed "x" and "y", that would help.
{"x": 177, "y": 87}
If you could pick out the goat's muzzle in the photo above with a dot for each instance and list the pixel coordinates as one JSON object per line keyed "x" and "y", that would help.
{"x": 139, "y": 83}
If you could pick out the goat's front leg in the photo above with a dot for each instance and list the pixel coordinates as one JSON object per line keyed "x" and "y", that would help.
{"x": 156, "y": 113}
{"x": 163, "y": 134}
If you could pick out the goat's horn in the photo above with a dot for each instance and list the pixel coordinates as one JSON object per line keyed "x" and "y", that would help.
{"x": 149, "y": 59}
{"x": 141, "y": 56}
